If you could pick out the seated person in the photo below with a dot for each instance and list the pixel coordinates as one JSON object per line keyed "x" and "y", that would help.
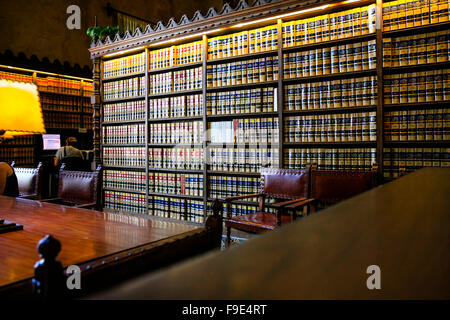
{"x": 68, "y": 151}
{"x": 8, "y": 181}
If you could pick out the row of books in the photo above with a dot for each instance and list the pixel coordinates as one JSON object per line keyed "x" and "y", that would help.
{"x": 398, "y": 160}
{"x": 19, "y": 140}
{"x": 245, "y": 42}
{"x": 417, "y": 125}
{"x": 123, "y": 66}
{"x": 242, "y": 101}
{"x": 176, "y": 158}
{"x": 124, "y": 111}
{"x": 175, "y": 208}
{"x": 339, "y": 25}
{"x": 176, "y": 132}
{"x": 52, "y": 84}
{"x": 64, "y": 86}
{"x": 179, "y": 106}
{"x": 241, "y": 159}
{"x": 176, "y": 55}
{"x": 174, "y": 183}
{"x": 128, "y": 134}
{"x": 87, "y": 121}
{"x": 125, "y": 180}
{"x": 125, "y": 202}
{"x": 190, "y": 79}
{"x": 242, "y": 72}
{"x": 21, "y": 155}
{"x": 87, "y": 106}
{"x": 124, "y": 156}
{"x": 348, "y": 127}
{"x": 331, "y": 159}
{"x": 344, "y": 93}
{"x": 413, "y": 13}
{"x": 133, "y": 87}
{"x": 225, "y": 186}
{"x": 416, "y": 49}
{"x": 261, "y": 131}
{"x": 62, "y": 121}
{"x": 17, "y": 77}
{"x": 424, "y": 86}
{"x": 88, "y": 89}
{"x": 337, "y": 59}
{"x": 60, "y": 103}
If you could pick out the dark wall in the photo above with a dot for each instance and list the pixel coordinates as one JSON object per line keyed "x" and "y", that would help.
{"x": 38, "y": 27}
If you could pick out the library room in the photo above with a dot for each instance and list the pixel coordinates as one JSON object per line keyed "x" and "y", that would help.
{"x": 225, "y": 158}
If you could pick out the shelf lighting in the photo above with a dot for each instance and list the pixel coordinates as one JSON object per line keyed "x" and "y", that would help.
{"x": 282, "y": 16}
{"x": 187, "y": 37}
{"x": 122, "y": 52}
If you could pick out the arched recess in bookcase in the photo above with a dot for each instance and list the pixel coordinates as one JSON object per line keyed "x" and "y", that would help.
{"x": 368, "y": 106}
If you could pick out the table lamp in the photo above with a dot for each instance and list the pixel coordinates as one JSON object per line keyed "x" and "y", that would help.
{"x": 20, "y": 114}
{"x": 20, "y": 110}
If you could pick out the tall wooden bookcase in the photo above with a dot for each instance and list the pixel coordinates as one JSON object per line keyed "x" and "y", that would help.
{"x": 303, "y": 108}
{"x": 66, "y": 108}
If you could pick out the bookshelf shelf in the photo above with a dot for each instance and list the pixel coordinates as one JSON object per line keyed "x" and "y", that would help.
{"x": 257, "y": 55}
{"x": 174, "y": 119}
{"x": 418, "y": 143}
{"x": 365, "y": 91}
{"x": 343, "y": 144}
{"x": 63, "y": 111}
{"x": 418, "y": 105}
{"x": 331, "y": 111}
{"x": 122, "y": 122}
{"x": 175, "y": 93}
{"x": 416, "y": 30}
{"x": 170, "y": 195}
{"x": 111, "y": 166}
{"x": 219, "y": 117}
{"x": 417, "y": 67}
{"x": 152, "y": 169}
{"x": 176, "y": 68}
{"x": 124, "y": 77}
{"x": 124, "y": 190}
{"x": 124, "y": 145}
{"x": 332, "y": 76}
{"x": 171, "y": 145}
{"x": 63, "y": 94}
{"x": 234, "y": 173}
{"x": 243, "y": 86}
{"x": 124, "y": 99}
{"x": 325, "y": 44}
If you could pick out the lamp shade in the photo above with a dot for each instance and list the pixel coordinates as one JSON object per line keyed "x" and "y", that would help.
{"x": 20, "y": 109}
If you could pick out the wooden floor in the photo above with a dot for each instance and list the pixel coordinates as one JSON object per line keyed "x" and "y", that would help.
{"x": 84, "y": 234}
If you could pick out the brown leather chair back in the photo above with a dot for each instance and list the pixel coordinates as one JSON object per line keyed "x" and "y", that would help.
{"x": 285, "y": 183}
{"x": 29, "y": 180}
{"x": 329, "y": 186}
{"x": 80, "y": 187}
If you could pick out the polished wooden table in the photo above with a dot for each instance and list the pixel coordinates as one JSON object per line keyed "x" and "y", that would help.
{"x": 403, "y": 227}
{"x": 85, "y": 235}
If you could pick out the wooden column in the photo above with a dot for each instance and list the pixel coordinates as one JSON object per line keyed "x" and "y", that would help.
{"x": 95, "y": 101}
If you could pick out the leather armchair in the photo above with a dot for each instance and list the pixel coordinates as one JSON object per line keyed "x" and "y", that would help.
{"x": 332, "y": 186}
{"x": 80, "y": 189}
{"x": 286, "y": 186}
{"x": 30, "y": 181}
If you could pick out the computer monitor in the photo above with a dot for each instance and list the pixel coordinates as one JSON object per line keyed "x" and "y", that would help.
{"x": 51, "y": 141}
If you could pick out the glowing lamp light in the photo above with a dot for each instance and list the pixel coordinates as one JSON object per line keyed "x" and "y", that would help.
{"x": 20, "y": 109}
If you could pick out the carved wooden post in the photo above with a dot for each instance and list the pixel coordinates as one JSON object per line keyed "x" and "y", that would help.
{"x": 215, "y": 221}
{"x": 95, "y": 101}
{"x": 49, "y": 278}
